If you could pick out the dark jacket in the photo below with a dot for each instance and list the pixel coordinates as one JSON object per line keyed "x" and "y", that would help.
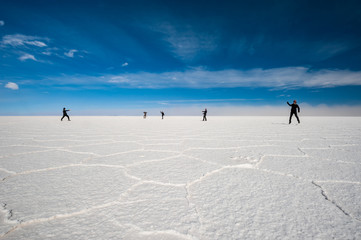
{"x": 294, "y": 107}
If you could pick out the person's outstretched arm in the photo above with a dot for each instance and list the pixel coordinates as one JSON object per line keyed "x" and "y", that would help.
{"x": 298, "y": 107}
{"x": 289, "y": 104}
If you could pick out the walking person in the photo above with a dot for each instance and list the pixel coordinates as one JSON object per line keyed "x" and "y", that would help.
{"x": 65, "y": 114}
{"x": 145, "y": 115}
{"x": 204, "y": 114}
{"x": 161, "y": 112}
{"x": 294, "y": 107}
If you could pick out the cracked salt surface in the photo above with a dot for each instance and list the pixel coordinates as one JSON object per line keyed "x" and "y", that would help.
{"x": 180, "y": 178}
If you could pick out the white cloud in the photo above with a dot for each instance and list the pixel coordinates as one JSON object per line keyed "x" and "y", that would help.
{"x": 17, "y": 40}
{"x": 27, "y": 56}
{"x": 118, "y": 80}
{"x": 278, "y": 78}
{"x": 47, "y": 53}
{"x": 36, "y": 43}
{"x": 12, "y": 86}
{"x": 70, "y": 53}
{"x": 17, "y": 44}
{"x": 2, "y": 23}
{"x": 125, "y": 64}
{"x": 50, "y": 51}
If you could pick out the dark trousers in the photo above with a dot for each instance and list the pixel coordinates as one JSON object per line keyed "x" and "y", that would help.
{"x": 65, "y": 115}
{"x": 295, "y": 113}
{"x": 204, "y": 118}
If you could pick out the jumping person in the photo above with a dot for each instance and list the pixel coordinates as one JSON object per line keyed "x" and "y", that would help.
{"x": 204, "y": 114}
{"x": 161, "y": 112}
{"x": 65, "y": 114}
{"x": 145, "y": 115}
{"x": 294, "y": 107}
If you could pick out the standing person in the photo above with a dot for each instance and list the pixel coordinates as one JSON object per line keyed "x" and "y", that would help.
{"x": 204, "y": 114}
{"x": 294, "y": 107}
{"x": 65, "y": 114}
{"x": 161, "y": 112}
{"x": 145, "y": 115}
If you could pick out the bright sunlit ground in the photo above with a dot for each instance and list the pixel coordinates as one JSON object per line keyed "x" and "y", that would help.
{"x": 180, "y": 178}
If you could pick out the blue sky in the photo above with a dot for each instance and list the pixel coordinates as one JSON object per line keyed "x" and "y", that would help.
{"x": 123, "y": 57}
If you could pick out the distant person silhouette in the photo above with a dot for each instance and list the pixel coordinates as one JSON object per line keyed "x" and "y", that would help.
{"x": 161, "y": 112}
{"x": 145, "y": 115}
{"x": 294, "y": 107}
{"x": 65, "y": 114}
{"x": 204, "y": 114}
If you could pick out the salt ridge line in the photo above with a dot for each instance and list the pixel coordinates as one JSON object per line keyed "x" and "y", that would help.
{"x": 168, "y": 232}
{"x": 24, "y": 153}
{"x": 7, "y": 171}
{"x": 149, "y": 233}
{"x": 337, "y": 181}
{"x": 325, "y": 195}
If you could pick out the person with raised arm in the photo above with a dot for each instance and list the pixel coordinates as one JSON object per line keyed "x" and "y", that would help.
{"x": 294, "y": 107}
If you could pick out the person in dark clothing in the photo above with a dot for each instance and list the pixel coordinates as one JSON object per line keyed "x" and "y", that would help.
{"x": 294, "y": 107}
{"x": 161, "y": 112}
{"x": 145, "y": 115}
{"x": 65, "y": 114}
{"x": 204, "y": 114}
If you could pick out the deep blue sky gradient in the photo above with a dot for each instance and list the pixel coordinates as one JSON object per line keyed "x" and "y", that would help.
{"x": 148, "y": 54}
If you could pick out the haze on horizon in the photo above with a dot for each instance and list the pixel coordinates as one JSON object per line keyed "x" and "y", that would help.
{"x": 235, "y": 58}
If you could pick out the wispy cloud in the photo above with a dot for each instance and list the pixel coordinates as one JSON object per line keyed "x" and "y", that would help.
{"x": 277, "y": 78}
{"x": 12, "y": 86}
{"x": 70, "y": 53}
{"x": 17, "y": 40}
{"x": 2, "y": 23}
{"x": 273, "y": 79}
{"x": 125, "y": 64}
{"x": 27, "y": 56}
{"x": 186, "y": 42}
{"x": 118, "y": 79}
{"x": 34, "y": 46}
{"x": 47, "y": 53}
{"x": 327, "y": 50}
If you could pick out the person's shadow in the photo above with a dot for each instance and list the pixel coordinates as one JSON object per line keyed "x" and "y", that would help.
{"x": 280, "y": 123}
